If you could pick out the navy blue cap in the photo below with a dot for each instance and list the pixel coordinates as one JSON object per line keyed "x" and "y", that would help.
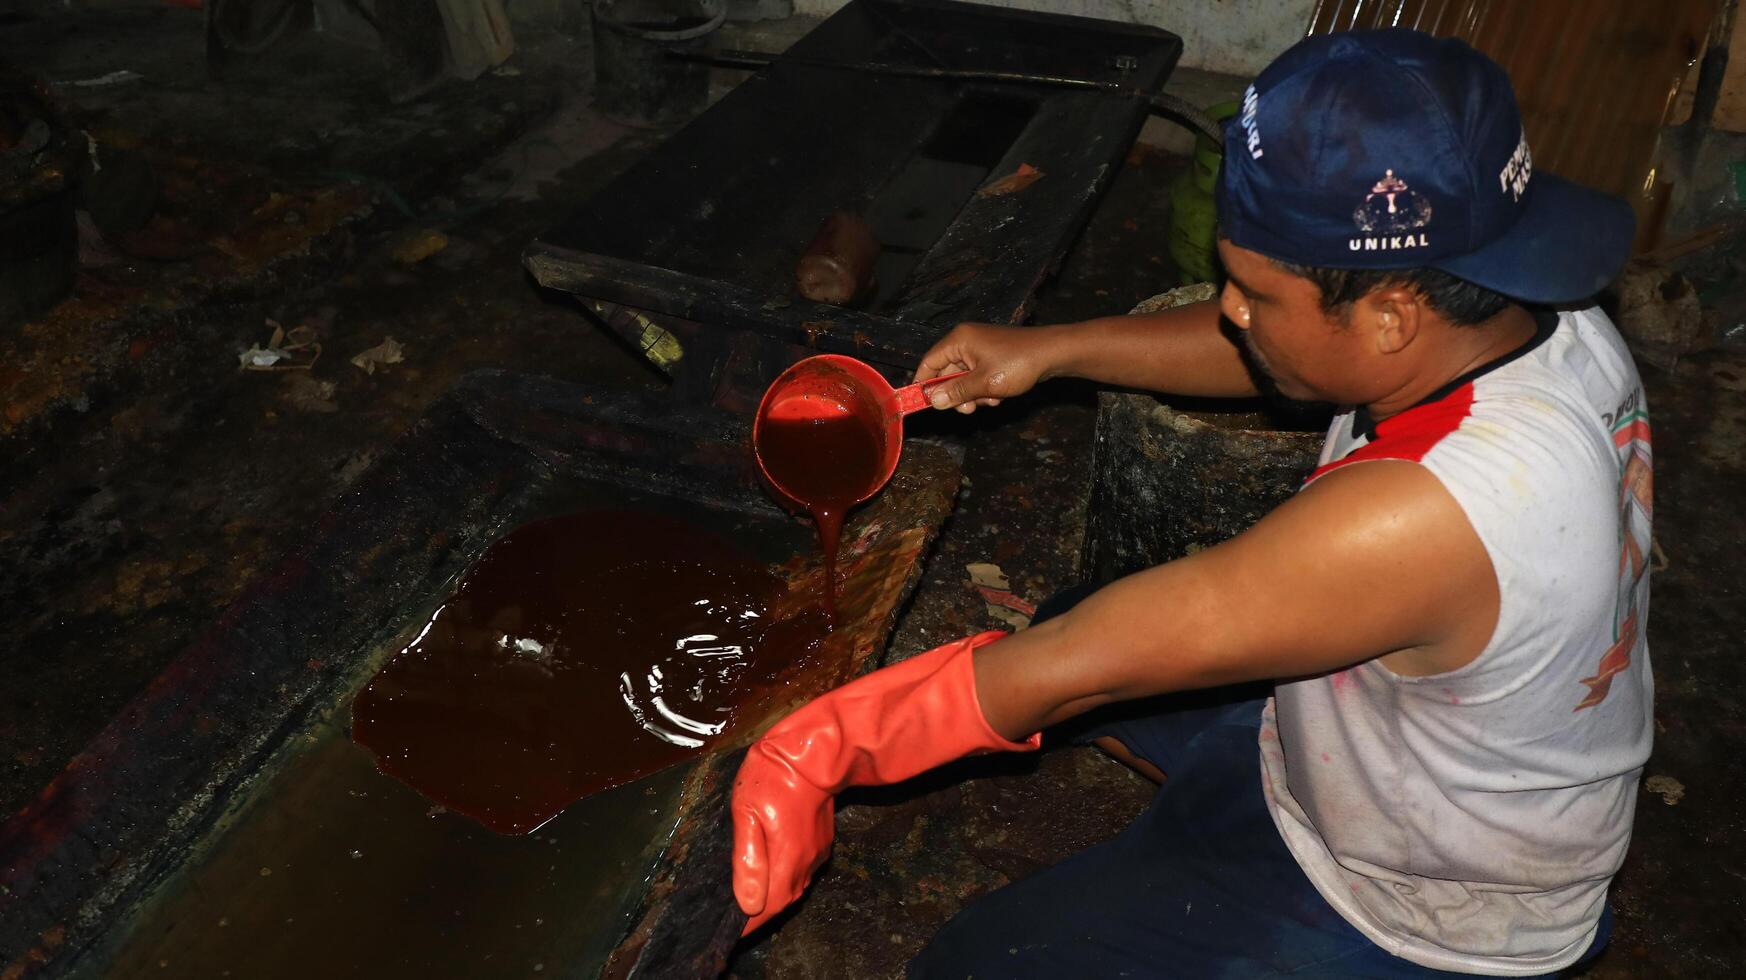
{"x": 1394, "y": 149}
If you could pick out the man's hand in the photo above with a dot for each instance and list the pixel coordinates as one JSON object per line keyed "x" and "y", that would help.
{"x": 1003, "y": 362}
{"x": 883, "y": 728}
{"x": 1183, "y": 350}
{"x": 783, "y": 827}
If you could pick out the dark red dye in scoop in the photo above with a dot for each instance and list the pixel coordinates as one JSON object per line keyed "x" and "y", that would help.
{"x": 579, "y": 653}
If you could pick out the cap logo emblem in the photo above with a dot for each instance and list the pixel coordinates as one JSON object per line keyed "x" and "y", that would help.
{"x": 1520, "y": 168}
{"x": 1389, "y": 214}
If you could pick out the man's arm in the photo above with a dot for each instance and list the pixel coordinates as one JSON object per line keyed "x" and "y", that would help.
{"x": 1373, "y": 560}
{"x": 1376, "y": 559}
{"x": 1182, "y": 350}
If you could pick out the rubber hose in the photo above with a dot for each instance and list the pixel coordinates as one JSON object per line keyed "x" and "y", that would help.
{"x": 1188, "y": 112}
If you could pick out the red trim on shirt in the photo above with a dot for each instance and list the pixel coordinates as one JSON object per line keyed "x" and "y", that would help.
{"x": 1411, "y": 434}
{"x": 1636, "y": 431}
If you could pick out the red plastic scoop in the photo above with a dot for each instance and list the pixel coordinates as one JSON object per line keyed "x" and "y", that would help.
{"x": 829, "y": 430}
{"x": 827, "y": 436}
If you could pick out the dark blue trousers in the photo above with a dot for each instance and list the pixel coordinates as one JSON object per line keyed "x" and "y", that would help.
{"x": 1201, "y": 886}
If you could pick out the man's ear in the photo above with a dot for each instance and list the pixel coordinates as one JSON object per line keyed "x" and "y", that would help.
{"x": 1393, "y": 316}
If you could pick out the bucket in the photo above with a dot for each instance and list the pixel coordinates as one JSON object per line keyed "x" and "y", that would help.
{"x": 635, "y": 81}
{"x": 1168, "y": 482}
{"x": 1194, "y": 229}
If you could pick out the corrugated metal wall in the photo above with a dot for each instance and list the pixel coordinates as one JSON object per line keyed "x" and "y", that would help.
{"x": 1596, "y": 79}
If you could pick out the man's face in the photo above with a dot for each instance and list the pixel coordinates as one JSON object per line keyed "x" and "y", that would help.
{"x": 1309, "y": 354}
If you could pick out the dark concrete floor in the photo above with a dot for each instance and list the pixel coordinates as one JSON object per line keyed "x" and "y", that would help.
{"x": 148, "y": 477}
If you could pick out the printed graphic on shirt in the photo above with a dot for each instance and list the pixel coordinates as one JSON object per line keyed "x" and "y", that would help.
{"x": 1636, "y": 509}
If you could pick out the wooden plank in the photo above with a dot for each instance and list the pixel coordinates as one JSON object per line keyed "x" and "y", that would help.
{"x": 829, "y": 329}
{"x": 991, "y": 260}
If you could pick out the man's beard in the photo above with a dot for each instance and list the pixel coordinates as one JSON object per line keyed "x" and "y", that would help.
{"x": 1264, "y": 380}
{"x": 1297, "y": 414}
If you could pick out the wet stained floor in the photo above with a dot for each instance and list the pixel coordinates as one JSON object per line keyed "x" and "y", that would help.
{"x": 338, "y": 870}
{"x": 155, "y": 478}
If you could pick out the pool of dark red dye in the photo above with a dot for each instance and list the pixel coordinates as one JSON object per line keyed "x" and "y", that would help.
{"x": 579, "y": 653}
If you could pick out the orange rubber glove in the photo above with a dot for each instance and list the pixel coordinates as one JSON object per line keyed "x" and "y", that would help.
{"x": 882, "y": 728}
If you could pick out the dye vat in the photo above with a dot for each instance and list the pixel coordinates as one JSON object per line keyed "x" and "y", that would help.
{"x": 226, "y": 824}
{"x": 1170, "y": 480}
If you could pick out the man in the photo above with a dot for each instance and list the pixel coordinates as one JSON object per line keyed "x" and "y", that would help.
{"x": 1451, "y": 610}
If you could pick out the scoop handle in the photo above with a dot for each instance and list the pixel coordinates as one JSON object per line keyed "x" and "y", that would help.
{"x": 913, "y": 398}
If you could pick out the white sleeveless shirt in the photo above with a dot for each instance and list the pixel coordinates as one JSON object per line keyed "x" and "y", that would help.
{"x": 1472, "y": 820}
